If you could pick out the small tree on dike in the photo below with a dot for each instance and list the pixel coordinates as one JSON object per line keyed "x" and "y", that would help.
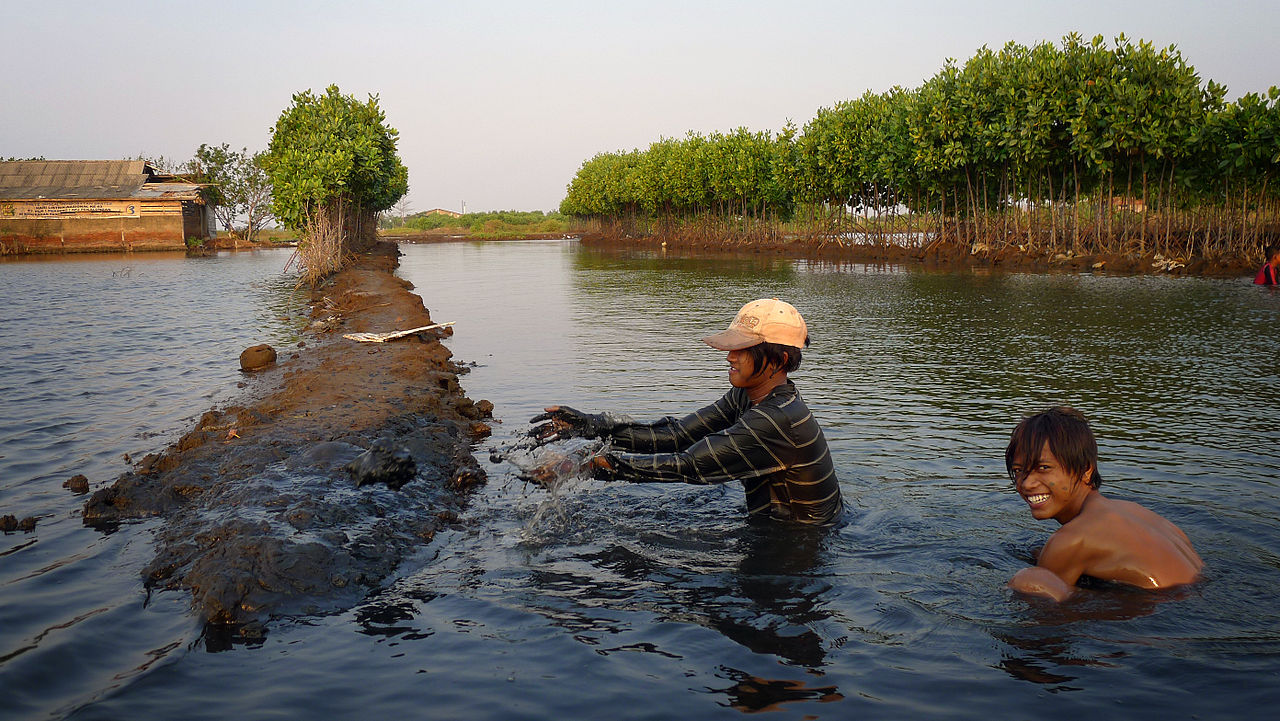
{"x": 333, "y": 166}
{"x": 238, "y": 186}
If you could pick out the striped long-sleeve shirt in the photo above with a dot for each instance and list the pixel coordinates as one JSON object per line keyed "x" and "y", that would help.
{"x": 775, "y": 448}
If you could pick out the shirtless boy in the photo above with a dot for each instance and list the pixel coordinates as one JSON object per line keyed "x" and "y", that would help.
{"x": 1052, "y": 458}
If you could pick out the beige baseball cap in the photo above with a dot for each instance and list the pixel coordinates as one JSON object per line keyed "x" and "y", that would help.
{"x": 767, "y": 320}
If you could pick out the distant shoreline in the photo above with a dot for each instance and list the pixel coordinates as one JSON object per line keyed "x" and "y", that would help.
{"x": 944, "y": 255}
{"x": 447, "y": 235}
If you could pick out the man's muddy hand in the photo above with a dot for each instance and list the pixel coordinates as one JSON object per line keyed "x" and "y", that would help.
{"x": 602, "y": 468}
{"x": 565, "y": 422}
{"x": 551, "y": 473}
{"x": 548, "y": 474}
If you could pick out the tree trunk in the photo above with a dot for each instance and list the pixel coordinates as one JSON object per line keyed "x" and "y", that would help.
{"x": 1075, "y": 220}
{"x": 1146, "y": 208}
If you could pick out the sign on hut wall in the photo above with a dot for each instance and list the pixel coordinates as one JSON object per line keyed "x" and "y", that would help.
{"x": 56, "y": 209}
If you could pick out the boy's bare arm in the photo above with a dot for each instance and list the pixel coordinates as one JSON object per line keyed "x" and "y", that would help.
{"x": 1038, "y": 581}
{"x": 1061, "y": 563}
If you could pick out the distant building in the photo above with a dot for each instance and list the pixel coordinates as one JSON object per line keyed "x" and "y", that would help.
{"x": 1133, "y": 205}
{"x": 442, "y": 211}
{"x": 51, "y": 206}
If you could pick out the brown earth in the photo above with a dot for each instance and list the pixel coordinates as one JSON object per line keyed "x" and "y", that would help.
{"x": 447, "y": 235}
{"x": 937, "y": 255}
{"x": 261, "y": 517}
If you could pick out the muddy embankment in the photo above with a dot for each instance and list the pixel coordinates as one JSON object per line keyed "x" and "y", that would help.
{"x": 449, "y": 235}
{"x": 261, "y": 514}
{"x": 940, "y": 255}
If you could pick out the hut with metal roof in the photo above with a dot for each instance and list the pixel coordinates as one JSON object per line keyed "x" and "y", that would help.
{"x": 53, "y": 206}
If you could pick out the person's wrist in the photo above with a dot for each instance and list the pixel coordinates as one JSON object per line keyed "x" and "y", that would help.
{"x": 601, "y": 467}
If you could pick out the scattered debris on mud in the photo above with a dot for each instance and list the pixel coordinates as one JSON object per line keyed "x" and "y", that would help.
{"x": 264, "y": 512}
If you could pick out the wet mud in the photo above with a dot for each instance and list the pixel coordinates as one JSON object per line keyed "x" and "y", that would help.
{"x": 276, "y": 504}
{"x": 942, "y": 256}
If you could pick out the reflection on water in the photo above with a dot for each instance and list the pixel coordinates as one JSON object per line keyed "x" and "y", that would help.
{"x": 103, "y": 353}
{"x": 918, "y": 379}
{"x": 643, "y": 601}
{"x": 753, "y": 694}
{"x": 107, "y": 357}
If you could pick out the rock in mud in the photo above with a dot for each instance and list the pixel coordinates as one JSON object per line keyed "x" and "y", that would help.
{"x": 385, "y": 462}
{"x": 257, "y": 357}
{"x": 77, "y": 483}
{"x": 324, "y": 456}
{"x": 465, "y": 479}
{"x": 9, "y": 524}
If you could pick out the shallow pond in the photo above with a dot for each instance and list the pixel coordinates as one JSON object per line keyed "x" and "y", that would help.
{"x": 634, "y": 601}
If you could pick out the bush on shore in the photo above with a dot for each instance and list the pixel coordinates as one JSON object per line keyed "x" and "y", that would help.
{"x": 1086, "y": 147}
{"x": 333, "y": 167}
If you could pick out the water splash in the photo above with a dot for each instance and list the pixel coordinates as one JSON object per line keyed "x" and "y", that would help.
{"x": 560, "y": 469}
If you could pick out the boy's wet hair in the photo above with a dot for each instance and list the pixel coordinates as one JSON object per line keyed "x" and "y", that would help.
{"x": 1070, "y": 440}
{"x": 786, "y": 358}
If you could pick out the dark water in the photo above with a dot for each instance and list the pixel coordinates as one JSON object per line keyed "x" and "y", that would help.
{"x": 102, "y": 356}
{"x": 629, "y": 601}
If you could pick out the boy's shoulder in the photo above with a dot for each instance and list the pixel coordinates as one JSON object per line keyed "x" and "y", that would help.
{"x": 1090, "y": 529}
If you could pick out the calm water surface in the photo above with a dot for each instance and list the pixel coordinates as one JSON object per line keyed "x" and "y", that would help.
{"x": 635, "y": 601}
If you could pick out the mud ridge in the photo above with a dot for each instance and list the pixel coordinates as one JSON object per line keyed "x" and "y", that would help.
{"x": 940, "y": 256}
{"x": 261, "y": 515}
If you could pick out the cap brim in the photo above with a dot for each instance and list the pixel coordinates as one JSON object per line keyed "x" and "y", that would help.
{"x": 732, "y": 340}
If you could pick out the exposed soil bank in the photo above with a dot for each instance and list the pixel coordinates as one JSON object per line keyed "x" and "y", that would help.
{"x": 233, "y": 242}
{"x": 261, "y": 516}
{"x": 446, "y": 235}
{"x": 946, "y": 255}
{"x": 87, "y": 242}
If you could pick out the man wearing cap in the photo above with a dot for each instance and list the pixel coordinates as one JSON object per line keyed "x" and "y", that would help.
{"x": 760, "y": 433}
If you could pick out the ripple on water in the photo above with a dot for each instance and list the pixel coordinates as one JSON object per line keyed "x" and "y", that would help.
{"x": 661, "y": 602}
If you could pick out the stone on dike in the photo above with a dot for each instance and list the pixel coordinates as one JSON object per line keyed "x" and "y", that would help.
{"x": 256, "y": 357}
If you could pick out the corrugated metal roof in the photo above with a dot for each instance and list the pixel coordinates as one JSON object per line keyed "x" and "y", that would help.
{"x": 90, "y": 179}
{"x": 170, "y": 191}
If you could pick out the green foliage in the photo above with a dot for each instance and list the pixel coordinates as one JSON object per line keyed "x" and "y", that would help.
{"x": 976, "y": 147}
{"x": 734, "y": 173}
{"x": 332, "y": 149}
{"x": 238, "y": 186}
{"x": 515, "y": 221}
{"x": 217, "y": 166}
{"x": 1242, "y": 142}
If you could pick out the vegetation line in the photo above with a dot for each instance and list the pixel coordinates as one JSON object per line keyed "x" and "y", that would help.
{"x": 333, "y": 167}
{"x": 1085, "y": 148}
{"x": 490, "y": 224}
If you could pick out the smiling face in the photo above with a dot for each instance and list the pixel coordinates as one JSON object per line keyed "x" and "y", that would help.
{"x": 1050, "y": 490}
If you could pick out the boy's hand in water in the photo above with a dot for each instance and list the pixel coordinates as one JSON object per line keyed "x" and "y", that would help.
{"x": 565, "y": 422}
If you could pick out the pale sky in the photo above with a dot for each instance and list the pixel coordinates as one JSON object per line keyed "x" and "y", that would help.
{"x": 498, "y": 103}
